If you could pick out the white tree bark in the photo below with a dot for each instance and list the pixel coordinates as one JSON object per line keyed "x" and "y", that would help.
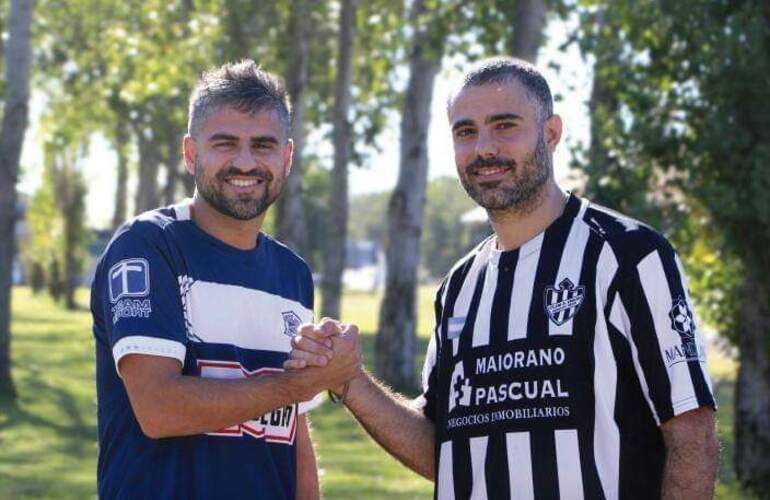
{"x": 290, "y": 223}
{"x": 334, "y": 256}
{"x": 18, "y": 57}
{"x": 396, "y": 343}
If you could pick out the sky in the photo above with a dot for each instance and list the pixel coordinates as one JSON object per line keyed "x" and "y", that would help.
{"x": 570, "y": 84}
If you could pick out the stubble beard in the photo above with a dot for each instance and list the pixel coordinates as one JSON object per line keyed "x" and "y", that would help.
{"x": 244, "y": 207}
{"x": 520, "y": 196}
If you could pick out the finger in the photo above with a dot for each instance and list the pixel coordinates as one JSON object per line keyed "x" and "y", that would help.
{"x": 294, "y": 364}
{"x": 308, "y": 344}
{"x": 309, "y": 359}
{"x": 329, "y": 327}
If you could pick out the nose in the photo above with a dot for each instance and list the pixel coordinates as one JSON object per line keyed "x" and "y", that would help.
{"x": 245, "y": 159}
{"x": 486, "y": 146}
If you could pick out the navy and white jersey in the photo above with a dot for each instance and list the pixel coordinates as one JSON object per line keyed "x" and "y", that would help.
{"x": 164, "y": 287}
{"x": 553, "y": 365}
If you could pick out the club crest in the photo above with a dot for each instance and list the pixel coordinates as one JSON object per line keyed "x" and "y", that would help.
{"x": 682, "y": 320}
{"x": 562, "y": 302}
{"x": 290, "y": 323}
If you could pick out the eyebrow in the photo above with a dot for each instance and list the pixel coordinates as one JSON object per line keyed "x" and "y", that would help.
{"x": 492, "y": 119}
{"x": 228, "y": 137}
{"x": 502, "y": 116}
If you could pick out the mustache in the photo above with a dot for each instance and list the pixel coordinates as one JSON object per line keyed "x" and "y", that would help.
{"x": 236, "y": 172}
{"x": 474, "y": 166}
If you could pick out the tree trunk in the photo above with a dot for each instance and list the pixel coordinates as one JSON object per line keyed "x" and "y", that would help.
{"x": 337, "y": 228}
{"x": 290, "y": 221}
{"x": 147, "y": 195}
{"x": 396, "y": 343}
{"x": 173, "y": 162}
{"x": 71, "y": 194}
{"x": 529, "y": 23}
{"x": 752, "y": 394}
{"x": 122, "y": 144}
{"x": 17, "y": 57}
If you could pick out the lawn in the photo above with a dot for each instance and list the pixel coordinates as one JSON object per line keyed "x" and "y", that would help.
{"x": 48, "y": 446}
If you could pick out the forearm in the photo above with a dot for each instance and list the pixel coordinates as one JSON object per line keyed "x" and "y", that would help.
{"x": 394, "y": 423}
{"x": 692, "y": 458}
{"x": 188, "y": 405}
{"x": 307, "y": 468}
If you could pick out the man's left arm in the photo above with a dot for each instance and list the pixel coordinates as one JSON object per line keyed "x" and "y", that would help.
{"x": 307, "y": 468}
{"x": 692, "y": 455}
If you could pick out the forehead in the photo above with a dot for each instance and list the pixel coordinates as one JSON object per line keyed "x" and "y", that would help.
{"x": 230, "y": 121}
{"x": 476, "y": 103}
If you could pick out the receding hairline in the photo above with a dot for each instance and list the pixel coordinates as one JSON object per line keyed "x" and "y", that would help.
{"x": 504, "y": 71}
{"x": 251, "y": 111}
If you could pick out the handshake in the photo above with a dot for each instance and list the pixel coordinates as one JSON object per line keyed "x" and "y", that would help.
{"x": 329, "y": 354}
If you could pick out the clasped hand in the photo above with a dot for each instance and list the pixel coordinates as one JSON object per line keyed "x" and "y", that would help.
{"x": 331, "y": 349}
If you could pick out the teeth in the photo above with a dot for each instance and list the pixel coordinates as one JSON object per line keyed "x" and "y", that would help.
{"x": 489, "y": 171}
{"x": 243, "y": 182}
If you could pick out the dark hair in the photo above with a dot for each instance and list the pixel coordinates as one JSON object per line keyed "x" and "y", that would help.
{"x": 507, "y": 69}
{"x": 243, "y": 86}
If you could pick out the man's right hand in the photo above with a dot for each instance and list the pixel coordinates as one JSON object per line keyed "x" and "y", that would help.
{"x": 331, "y": 350}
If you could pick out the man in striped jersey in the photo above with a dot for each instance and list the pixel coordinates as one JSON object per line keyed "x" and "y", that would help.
{"x": 566, "y": 361}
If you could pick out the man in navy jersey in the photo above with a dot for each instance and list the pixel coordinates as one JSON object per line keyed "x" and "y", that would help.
{"x": 194, "y": 308}
{"x": 566, "y": 361}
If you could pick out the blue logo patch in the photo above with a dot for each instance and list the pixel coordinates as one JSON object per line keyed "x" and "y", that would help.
{"x": 290, "y": 323}
{"x": 129, "y": 278}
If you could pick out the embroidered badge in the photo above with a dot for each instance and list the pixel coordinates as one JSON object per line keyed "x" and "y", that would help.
{"x": 564, "y": 301}
{"x": 290, "y": 323}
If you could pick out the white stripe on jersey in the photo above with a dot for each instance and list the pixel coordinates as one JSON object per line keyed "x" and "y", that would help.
{"x": 568, "y": 464}
{"x": 606, "y": 432}
{"x": 653, "y": 278}
{"x": 478, "y": 463}
{"x": 620, "y": 320}
{"x": 523, "y": 277}
{"x": 430, "y": 362}
{"x": 484, "y": 310}
{"x": 519, "y": 466}
{"x": 463, "y": 303}
{"x": 445, "y": 486}
{"x": 698, "y": 338}
{"x": 572, "y": 263}
{"x": 239, "y": 316}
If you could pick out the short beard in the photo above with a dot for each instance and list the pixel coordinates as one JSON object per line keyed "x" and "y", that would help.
{"x": 241, "y": 208}
{"x": 522, "y": 195}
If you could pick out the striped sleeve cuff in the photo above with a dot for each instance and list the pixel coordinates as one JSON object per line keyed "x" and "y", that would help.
{"x": 154, "y": 346}
{"x": 306, "y": 406}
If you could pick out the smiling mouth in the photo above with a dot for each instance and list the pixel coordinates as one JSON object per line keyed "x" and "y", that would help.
{"x": 490, "y": 173}
{"x": 244, "y": 183}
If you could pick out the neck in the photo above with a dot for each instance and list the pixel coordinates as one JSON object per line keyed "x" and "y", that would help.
{"x": 241, "y": 234}
{"x": 513, "y": 228}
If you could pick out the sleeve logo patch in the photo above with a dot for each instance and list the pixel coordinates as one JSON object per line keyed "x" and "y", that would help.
{"x": 129, "y": 278}
{"x": 290, "y": 323}
{"x": 682, "y": 320}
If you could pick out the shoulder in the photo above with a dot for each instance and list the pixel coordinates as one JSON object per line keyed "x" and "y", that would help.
{"x": 284, "y": 256}
{"x": 630, "y": 240}
{"x": 147, "y": 229}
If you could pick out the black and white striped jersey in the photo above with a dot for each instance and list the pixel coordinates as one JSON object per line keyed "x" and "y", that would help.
{"x": 553, "y": 365}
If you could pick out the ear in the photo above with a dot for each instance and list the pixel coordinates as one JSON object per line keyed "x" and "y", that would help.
{"x": 188, "y": 148}
{"x": 288, "y": 156}
{"x": 552, "y": 129}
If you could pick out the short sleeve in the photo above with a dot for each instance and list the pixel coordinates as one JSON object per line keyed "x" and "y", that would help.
{"x": 654, "y": 311}
{"x": 140, "y": 299}
{"x": 429, "y": 369}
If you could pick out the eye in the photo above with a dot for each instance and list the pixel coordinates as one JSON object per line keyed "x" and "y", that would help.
{"x": 262, "y": 146}
{"x": 465, "y": 132}
{"x": 224, "y": 145}
{"x": 505, "y": 125}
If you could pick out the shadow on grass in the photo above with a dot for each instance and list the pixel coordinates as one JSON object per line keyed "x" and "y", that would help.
{"x": 71, "y": 427}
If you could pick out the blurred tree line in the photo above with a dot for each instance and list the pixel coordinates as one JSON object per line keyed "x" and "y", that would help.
{"x": 679, "y": 139}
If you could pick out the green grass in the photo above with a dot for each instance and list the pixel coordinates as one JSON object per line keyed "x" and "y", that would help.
{"x": 48, "y": 440}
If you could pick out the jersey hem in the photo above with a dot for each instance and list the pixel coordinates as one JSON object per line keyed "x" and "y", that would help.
{"x": 141, "y": 344}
